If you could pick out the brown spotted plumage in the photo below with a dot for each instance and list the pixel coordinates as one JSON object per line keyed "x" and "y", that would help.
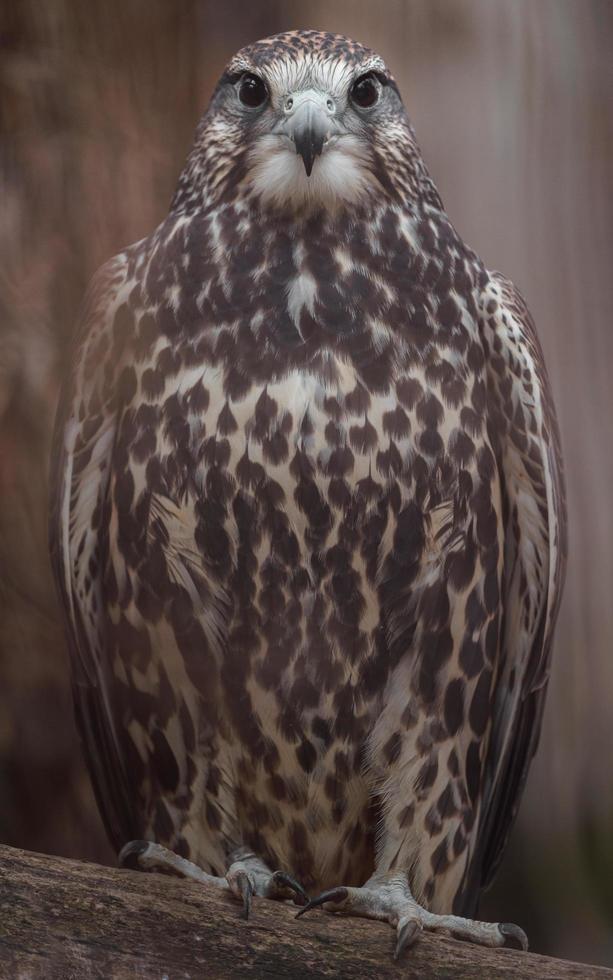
{"x": 308, "y": 518}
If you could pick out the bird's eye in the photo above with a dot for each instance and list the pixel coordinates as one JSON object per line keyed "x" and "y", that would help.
{"x": 252, "y": 91}
{"x": 365, "y": 92}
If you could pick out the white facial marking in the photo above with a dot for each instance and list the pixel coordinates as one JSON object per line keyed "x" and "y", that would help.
{"x": 340, "y": 174}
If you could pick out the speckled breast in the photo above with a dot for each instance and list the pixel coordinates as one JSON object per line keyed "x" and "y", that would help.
{"x": 268, "y": 484}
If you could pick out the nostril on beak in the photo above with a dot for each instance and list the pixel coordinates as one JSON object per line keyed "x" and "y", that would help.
{"x": 309, "y": 122}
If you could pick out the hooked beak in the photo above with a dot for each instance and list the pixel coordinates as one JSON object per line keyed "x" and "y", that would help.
{"x": 309, "y": 123}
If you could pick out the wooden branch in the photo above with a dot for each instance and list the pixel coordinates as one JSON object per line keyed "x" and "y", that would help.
{"x": 66, "y": 920}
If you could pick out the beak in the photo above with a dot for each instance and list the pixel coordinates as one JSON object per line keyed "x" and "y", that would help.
{"x": 309, "y": 122}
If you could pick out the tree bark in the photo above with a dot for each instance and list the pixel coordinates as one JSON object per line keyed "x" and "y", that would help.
{"x": 67, "y": 920}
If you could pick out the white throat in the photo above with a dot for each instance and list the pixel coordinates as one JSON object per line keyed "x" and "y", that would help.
{"x": 339, "y": 175}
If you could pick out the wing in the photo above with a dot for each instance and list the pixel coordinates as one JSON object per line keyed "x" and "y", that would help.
{"x": 524, "y": 430}
{"x": 82, "y": 447}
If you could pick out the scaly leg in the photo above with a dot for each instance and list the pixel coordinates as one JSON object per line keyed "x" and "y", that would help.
{"x": 246, "y": 876}
{"x": 387, "y": 896}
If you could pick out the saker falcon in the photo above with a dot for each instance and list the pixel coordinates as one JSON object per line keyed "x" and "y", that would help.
{"x": 308, "y": 517}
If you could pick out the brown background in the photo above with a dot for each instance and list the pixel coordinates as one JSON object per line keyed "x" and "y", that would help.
{"x": 512, "y": 102}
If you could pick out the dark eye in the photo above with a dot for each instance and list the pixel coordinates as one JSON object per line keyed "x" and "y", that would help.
{"x": 252, "y": 91}
{"x": 365, "y": 92}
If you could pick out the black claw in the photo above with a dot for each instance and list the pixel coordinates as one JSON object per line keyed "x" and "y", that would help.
{"x": 130, "y": 853}
{"x": 514, "y": 937}
{"x": 284, "y": 880}
{"x": 332, "y": 895}
{"x": 407, "y": 936}
{"x": 244, "y": 886}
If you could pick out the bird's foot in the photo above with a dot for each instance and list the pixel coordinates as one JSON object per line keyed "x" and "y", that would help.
{"x": 388, "y": 897}
{"x": 246, "y": 876}
{"x": 144, "y": 855}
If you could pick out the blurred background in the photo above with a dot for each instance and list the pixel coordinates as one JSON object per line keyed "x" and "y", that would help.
{"x": 512, "y": 101}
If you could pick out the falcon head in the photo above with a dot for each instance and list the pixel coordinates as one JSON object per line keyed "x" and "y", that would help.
{"x": 305, "y": 117}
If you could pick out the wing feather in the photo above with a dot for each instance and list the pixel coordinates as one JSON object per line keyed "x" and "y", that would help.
{"x": 82, "y": 446}
{"x": 529, "y": 458}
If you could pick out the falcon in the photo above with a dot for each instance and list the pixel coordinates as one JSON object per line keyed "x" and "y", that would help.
{"x": 308, "y": 522}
